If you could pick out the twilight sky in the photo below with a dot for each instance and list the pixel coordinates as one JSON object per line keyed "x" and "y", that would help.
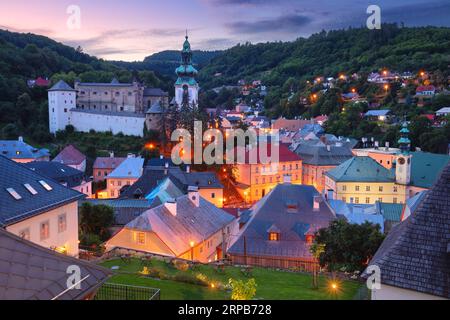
{"x": 133, "y": 29}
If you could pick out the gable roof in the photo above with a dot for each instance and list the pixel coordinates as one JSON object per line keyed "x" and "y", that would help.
{"x": 129, "y": 168}
{"x": 415, "y": 255}
{"x": 15, "y": 176}
{"x": 108, "y": 162}
{"x": 390, "y": 211}
{"x": 17, "y": 149}
{"x": 31, "y": 272}
{"x": 290, "y": 124}
{"x": 361, "y": 169}
{"x": 57, "y": 171}
{"x": 125, "y": 210}
{"x": 293, "y": 226}
{"x": 322, "y": 155}
{"x": 61, "y": 85}
{"x": 70, "y": 156}
{"x": 190, "y": 224}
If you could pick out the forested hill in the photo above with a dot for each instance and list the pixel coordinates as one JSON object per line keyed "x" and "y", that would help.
{"x": 24, "y": 111}
{"x": 165, "y": 62}
{"x": 330, "y": 53}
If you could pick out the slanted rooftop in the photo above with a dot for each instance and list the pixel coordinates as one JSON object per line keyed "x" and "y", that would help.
{"x": 415, "y": 254}
{"x": 25, "y": 193}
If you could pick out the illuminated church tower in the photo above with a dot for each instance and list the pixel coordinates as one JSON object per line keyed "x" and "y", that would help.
{"x": 186, "y": 87}
{"x": 403, "y": 161}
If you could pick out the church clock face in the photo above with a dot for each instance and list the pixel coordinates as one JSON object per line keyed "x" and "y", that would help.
{"x": 401, "y": 161}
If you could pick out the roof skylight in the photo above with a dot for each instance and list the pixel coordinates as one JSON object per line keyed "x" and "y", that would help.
{"x": 14, "y": 193}
{"x": 45, "y": 185}
{"x": 30, "y": 188}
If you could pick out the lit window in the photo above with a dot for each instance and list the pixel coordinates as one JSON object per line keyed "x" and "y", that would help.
{"x": 62, "y": 223}
{"x": 45, "y": 185}
{"x": 30, "y": 188}
{"x": 367, "y": 200}
{"x": 45, "y": 230}
{"x": 141, "y": 238}
{"x": 274, "y": 236}
{"x": 309, "y": 239}
{"x": 25, "y": 234}
{"x": 14, "y": 193}
{"x": 380, "y": 188}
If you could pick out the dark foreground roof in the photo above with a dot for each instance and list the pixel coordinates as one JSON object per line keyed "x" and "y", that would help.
{"x": 415, "y": 255}
{"x": 31, "y": 272}
{"x": 321, "y": 155}
{"x": 15, "y": 176}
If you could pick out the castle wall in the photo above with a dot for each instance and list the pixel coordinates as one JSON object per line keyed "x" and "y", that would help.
{"x": 128, "y": 125}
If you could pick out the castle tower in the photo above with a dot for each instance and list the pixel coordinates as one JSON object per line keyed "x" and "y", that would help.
{"x": 61, "y": 99}
{"x": 403, "y": 159}
{"x": 186, "y": 87}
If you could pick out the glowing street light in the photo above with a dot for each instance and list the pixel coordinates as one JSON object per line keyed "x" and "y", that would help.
{"x": 386, "y": 87}
{"x": 353, "y": 90}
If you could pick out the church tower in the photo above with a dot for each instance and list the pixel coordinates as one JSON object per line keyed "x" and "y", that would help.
{"x": 186, "y": 87}
{"x": 403, "y": 159}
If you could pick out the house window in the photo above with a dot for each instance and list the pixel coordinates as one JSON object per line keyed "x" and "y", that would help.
{"x": 65, "y": 110}
{"x": 395, "y": 189}
{"x": 380, "y": 188}
{"x": 356, "y": 188}
{"x": 395, "y": 200}
{"x": 344, "y": 199}
{"x": 274, "y": 236}
{"x": 344, "y": 188}
{"x": 380, "y": 199}
{"x": 367, "y": 200}
{"x": 45, "y": 230}
{"x": 140, "y": 238}
{"x": 357, "y": 200}
{"x": 25, "y": 234}
{"x": 62, "y": 223}
{"x": 213, "y": 195}
{"x": 309, "y": 239}
{"x": 367, "y": 188}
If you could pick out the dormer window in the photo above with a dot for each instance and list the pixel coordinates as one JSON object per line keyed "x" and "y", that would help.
{"x": 14, "y": 193}
{"x": 45, "y": 185}
{"x": 274, "y": 236}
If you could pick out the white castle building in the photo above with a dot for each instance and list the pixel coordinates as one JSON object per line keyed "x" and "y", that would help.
{"x": 119, "y": 107}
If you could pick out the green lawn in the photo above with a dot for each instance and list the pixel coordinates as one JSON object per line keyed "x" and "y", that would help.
{"x": 271, "y": 284}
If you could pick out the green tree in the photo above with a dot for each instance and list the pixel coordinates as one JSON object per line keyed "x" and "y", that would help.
{"x": 348, "y": 246}
{"x": 96, "y": 220}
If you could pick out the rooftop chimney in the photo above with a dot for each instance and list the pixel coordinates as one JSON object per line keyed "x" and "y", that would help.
{"x": 328, "y": 148}
{"x": 20, "y": 139}
{"x": 387, "y": 145}
{"x": 188, "y": 169}
{"x": 171, "y": 205}
{"x": 330, "y": 194}
{"x": 161, "y": 157}
{"x": 194, "y": 196}
{"x": 130, "y": 155}
{"x": 111, "y": 154}
{"x": 316, "y": 203}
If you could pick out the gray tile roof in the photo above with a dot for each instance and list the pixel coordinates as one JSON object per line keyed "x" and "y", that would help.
{"x": 415, "y": 255}
{"x": 14, "y": 176}
{"x": 125, "y": 210}
{"x": 31, "y": 272}
{"x": 61, "y": 86}
{"x": 17, "y": 149}
{"x": 273, "y": 212}
{"x": 59, "y": 172}
{"x": 154, "y": 175}
{"x": 321, "y": 155}
{"x": 190, "y": 224}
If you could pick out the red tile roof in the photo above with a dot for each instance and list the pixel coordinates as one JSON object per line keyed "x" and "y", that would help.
{"x": 41, "y": 82}
{"x": 70, "y": 156}
{"x": 285, "y": 155}
{"x": 425, "y": 88}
